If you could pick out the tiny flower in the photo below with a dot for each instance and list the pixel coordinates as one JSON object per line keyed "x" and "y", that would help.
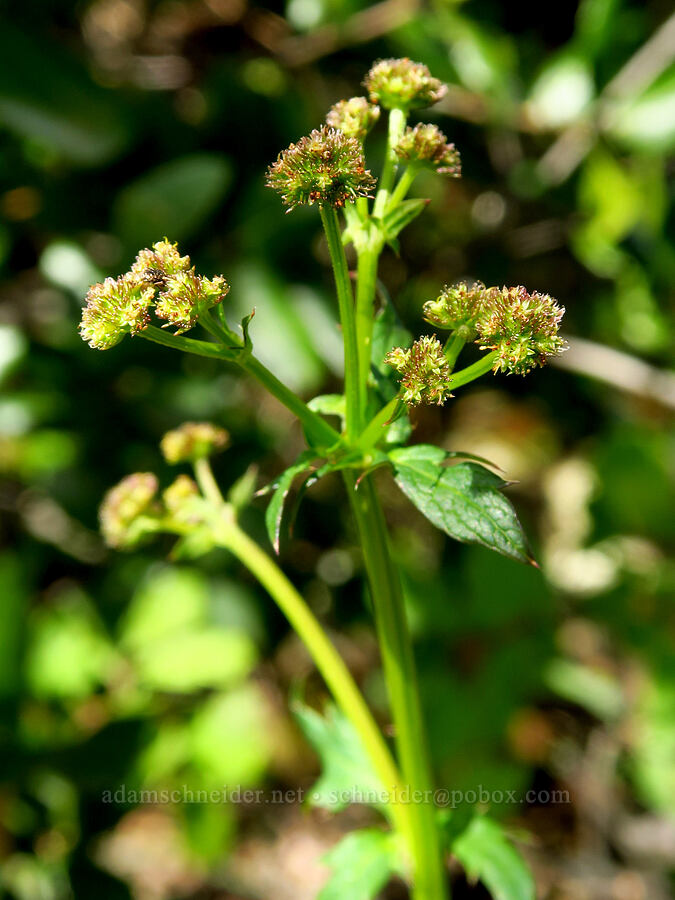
{"x": 457, "y": 307}
{"x": 426, "y": 145}
{"x": 402, "y": 84}
{"x": 425, "y": 373}
{"x": 124, "y": 507}
{"x": 152, "y": 266}
{"x": 326, "y": 167}
{"x": 521, "y": 327}
{"x": 186, "y": 295}
{"x": 116, "y": 307}
{"x": 354, "y": 117}
{"x": 192, "y": 441}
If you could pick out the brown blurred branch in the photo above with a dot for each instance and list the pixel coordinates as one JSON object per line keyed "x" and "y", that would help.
{"x": 618, "y": 369}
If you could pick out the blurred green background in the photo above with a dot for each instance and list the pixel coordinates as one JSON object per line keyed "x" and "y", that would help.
{"x": 122, "y": 121}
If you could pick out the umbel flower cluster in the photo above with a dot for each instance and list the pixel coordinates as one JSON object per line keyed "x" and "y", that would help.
{"x": 134, "y": 508}
{"x": 424, "y": 370}
{"x": 354, "y": 117}
{"x": 427, "y": 146}
{"x": 161, "y": 278}
{"x": 403, "y": 84}
{"x": 325, "y": 167}
{"x": 521, "y": 330}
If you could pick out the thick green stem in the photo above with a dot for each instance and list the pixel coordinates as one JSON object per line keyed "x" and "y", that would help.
{"x": 327, "y": 660}
{"x": 430, "y": 882}
{"x": 397, "y": 120}
{"x": 366, "y": 283}
{"x": 346, "y": 308}
{"x": 481, "y": 367}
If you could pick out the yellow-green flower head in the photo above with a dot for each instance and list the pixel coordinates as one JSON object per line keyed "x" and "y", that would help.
{"x": 192, "y": 441}
{"x": 424, "y": 370}
{"x": 159, "y": 276}
{"x": 457, "y": 308}
{"x": 326, "y": 167}
{"x": 521, "y": 327}
{"x": 127, "y": 510}
{"x": 152, "y": 266}
{"x": 402, "y": 84}
{"x": 116, "y": 307}
{"x": 426, "y": 145}
{"x": 354, "y": 117}
{"x": 186, "y": 295}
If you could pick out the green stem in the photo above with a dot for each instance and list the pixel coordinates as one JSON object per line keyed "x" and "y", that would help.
{"x": 327, "y": 660}
{"x": 187, "y": 345}
{"x": 481, "y": 367}
{"x": 403, "y": 186}
{"x": 317, "y": 429}
{"x": 372, "y": 433}
{"x": 397, "y": 120}
{"x": 346, "y": 308}
{"x": 399, "y": 667}
{"x": 207, "y": 483}
{"x": 366, "y": 271}
{"x": 453, "y": 347}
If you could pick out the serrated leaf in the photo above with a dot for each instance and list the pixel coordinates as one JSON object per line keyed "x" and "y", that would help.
{"x": 403, "y": 214}
{"x": 275, "y": 511}
{"x": 464, "y": 501}
{"x": 487, "y": 855}
{"x": 363, "y": 862}
{"x": 347, "y": 774}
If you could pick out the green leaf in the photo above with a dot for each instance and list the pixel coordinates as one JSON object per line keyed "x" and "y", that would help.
{"x": 347, "y": 775}
{"x": 275, "y": 511}
{"x": 488, "y": 855}
{"x": 173, "y": 199}
{"x": 402, "y": 215}
{"x": 464, "y": 501}
{"x": 363, "y": 862}
{"x": 329, "y": 405}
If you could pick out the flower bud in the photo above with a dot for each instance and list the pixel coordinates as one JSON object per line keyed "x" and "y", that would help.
{"x": 192, "y": 441}
{"x": 116, "y": 307}
{"x": 182, "y": 499}
{"x": 425, "y": 373}
{"x": 457, "y": 307}
{"x": 521, "y": 327}
{"x": 326, "y": 167}
{"x": 426, "y": 145}
{"x": 124, "y": 506}
{"x": 402, "y": 84}
{"x": 354, "y": 117}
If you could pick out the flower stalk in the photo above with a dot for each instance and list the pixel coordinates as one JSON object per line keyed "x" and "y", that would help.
{"x": 517, "y": 328}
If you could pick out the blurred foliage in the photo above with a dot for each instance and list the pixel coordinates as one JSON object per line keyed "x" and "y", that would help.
{"x": 122, "y": 121}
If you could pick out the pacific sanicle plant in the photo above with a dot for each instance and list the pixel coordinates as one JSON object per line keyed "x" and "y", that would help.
{"x": 386, "y": 373}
